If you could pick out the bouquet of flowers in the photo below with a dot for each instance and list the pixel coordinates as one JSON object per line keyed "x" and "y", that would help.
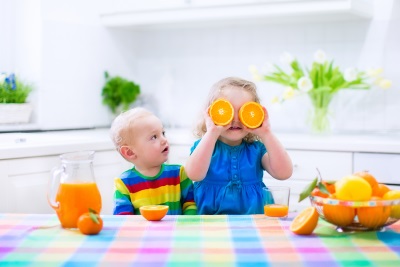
{"x": 13, "y": 90}
{"x": 320, "y": 83}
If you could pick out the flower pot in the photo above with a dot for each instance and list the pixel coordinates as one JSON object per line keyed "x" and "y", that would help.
{"x": 15, "y": 113}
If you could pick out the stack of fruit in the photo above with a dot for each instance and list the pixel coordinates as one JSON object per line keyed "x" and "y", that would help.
{"x": 357, "y": 202}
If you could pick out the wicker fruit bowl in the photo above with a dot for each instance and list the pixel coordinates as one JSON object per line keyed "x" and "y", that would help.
{"x": 356, "y": 216}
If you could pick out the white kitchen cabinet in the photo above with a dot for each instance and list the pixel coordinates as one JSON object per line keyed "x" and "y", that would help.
{"x": 25, "y": 181}
{"x": 384, "y": 166}
{"x": 332, "y": 166}
{"x": 159, "y": 13}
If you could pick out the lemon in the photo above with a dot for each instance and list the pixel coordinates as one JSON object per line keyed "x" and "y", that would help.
{"x": 353, "y": 188}
{"x": 393, "y": 194}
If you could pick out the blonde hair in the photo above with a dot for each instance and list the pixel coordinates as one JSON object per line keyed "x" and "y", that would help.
{"x": 122, "y": 129}
{"x": 217, "y": 91}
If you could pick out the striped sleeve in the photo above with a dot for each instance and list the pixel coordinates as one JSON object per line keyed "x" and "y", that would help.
{"x": 187, "y": 194}
{"x": 122, "y": 200}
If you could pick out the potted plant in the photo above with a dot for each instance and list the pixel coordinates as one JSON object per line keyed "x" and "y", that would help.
{"x": 321, "y": 82}
{"x": 119, "y": 93}
{"x": 13, "y": 96}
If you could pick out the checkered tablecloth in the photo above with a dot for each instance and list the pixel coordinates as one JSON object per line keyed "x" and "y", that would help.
{"x": 190, "y": 241}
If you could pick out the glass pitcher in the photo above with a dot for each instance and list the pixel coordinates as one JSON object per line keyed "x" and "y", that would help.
{"x": 73, "y": 189}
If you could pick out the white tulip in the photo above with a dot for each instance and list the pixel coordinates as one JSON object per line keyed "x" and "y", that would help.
{"x": 275, "y": 100}
{"x": 287, "y": 58}
{"x": 288, "y": 93}
{"x": 304, "y": 84}
{"x": 375, "y": 73}
{"x": 385, "y": 84}
{"x": 320, "y": 57}
{"x": 350, "y": 74}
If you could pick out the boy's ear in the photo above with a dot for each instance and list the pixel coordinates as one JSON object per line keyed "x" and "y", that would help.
{"x": 127, "y": 153}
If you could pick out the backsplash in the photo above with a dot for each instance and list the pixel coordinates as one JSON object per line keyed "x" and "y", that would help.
{"x": 180, "y": 65}
{"x": 70, "y": 49}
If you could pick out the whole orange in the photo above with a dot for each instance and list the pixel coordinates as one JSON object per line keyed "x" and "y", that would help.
{"x": 395, "y": 209}
{"x": 382, "y": 190}
{"x": 339, "y": 215}
{"x": 90, "y": 223}
{"x": 370, "y": 179}
{"x": 373, "y": 217}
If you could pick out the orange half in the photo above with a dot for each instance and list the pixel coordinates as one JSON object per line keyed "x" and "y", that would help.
{"x": 221, "y": 112}
{"x": 154, "y": 212}
{"x": 251, "y": 114}
{"x": 305, "y": 222}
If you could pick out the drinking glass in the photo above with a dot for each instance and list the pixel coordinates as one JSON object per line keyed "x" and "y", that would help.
{"x": 276, "y": 201}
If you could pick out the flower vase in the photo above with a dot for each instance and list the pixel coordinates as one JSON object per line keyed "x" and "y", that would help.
{"x": 319, "y": 120}
{"x": 320, "y": 114}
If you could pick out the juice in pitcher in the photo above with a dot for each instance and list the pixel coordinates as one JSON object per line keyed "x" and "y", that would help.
{"x": 75, "y": 199}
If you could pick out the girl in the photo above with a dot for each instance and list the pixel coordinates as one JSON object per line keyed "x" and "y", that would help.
{"x": 227, "y": 163}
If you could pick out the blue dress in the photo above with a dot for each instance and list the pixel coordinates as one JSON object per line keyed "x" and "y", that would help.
{"x": 234, "y": 181}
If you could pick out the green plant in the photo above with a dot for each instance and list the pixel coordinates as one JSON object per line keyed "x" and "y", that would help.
{"x": 119, "y": 93}
{"x": 321, "y": 83}
{"x": 13, "y": 90}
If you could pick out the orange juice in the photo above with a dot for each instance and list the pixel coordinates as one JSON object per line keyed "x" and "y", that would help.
{"x": 76, "y": 199}
{"x": 276, "y": 210}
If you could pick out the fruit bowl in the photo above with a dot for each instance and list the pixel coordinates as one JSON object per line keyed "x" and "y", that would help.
{"x": 357, "y": 216}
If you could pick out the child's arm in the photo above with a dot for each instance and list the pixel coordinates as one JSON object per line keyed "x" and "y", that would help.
{"x": 187, "y": 195}
{"x": 276, "y": 161}
{"x": 122, "y": 200}
{"x": 198, "y": 162}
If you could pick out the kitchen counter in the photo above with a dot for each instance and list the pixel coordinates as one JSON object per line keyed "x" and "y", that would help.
{"x": 20, "y": 145}
{"x": 374, "y": 143}
{"x": 213, "y": 240}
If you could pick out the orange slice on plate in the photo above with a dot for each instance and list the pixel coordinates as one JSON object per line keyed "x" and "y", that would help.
{"x": 154, "y": 212}
{"x": 221, "y": 112}
{"x": 251, "y": 114}
{"x": 305, "y": 222}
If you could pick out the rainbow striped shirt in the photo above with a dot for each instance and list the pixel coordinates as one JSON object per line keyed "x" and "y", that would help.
{"x": 170, "y": 187}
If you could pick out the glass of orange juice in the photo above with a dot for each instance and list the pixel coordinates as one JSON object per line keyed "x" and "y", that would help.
{"x": 276, "y": 201}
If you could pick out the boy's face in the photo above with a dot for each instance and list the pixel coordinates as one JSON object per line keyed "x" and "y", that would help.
{"x": 150, "y": 146}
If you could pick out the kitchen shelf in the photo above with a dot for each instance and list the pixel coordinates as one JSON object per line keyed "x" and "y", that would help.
{"x": 185, "y": 12}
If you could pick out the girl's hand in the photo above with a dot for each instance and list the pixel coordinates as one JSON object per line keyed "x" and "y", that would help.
{"x": 265, "y": 126}
{"x": 210, "y": 125}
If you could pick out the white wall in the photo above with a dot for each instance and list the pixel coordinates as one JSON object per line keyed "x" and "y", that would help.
{"x": 180, "y": 64}
{"x": 191, "y": 59}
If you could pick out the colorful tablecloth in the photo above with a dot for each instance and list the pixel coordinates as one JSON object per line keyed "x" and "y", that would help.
{"x": 190, "y": 241}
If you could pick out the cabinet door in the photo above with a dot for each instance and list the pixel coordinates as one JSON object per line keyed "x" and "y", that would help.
{"x": 26, "y": 184}
{"x": 331, "y": 165}
{"x": 383, "y": 166}
{"x": 25, "y": 181}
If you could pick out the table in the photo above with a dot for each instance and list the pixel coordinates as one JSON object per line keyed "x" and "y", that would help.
{"x": 190, "y": 241}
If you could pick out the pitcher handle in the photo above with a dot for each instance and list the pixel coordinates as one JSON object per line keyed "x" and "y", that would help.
{"x": 53, "y": 185}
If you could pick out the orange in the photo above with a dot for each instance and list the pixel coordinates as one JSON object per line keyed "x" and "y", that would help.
{"x": 317, "y": 192}
{"x": 382, "y": 190}
{"x": 339, "y": 215}
{"x": 305, "y": 222}
{"x": 154, "y": 212}
{"x": 373, "y": 217}
{"x": 251, "y": 114}
{"x": 370, "y": 179}
{"x": 90, "y": 223}
{"x": 329, "y": 186}
{"x": 353, "y": 188}
{"x": 395, "y": 209}
{"x": 221, "y": 112}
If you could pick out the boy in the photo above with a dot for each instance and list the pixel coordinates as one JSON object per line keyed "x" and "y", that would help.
{"x": 139, "y": 137}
